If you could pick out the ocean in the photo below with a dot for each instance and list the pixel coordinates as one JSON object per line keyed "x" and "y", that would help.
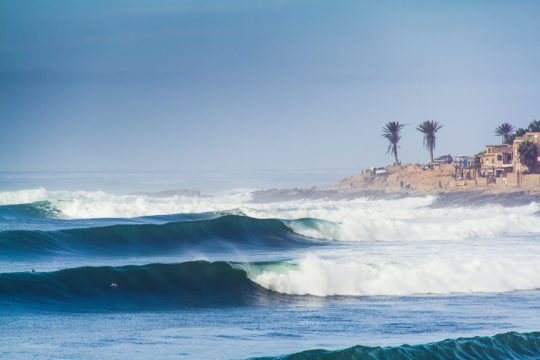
{"x": 99, "y": 274}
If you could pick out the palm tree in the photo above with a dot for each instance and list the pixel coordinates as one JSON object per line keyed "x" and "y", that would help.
{"x": 534, "y": 126}
{"x": 429, "y": 128}
{"x": 504, "y": 130}
{"x": 528, "y": 153}
{"x": 391, "y": 132}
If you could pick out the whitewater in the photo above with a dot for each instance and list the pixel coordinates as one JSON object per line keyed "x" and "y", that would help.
{"x": 94, "y": 274}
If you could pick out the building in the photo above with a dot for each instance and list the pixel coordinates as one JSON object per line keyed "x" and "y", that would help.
{"x": 472, "y": 162}
{"x": 497, "y": 160}
{"x": 504, "y": 161}
{"x": 533, "y": 137}
{"x": 466, "y": 167}
{"x": 468, "y": 162}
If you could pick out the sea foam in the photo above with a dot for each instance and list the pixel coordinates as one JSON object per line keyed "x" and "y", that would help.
{"x": 360, "y": 219}
{"x": 23, "y": 196}
{"x": 323, "y": 277}
{"x": 405, "y": 219}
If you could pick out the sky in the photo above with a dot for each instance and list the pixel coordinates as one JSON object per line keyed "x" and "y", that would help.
{"x": 165, "y": 85}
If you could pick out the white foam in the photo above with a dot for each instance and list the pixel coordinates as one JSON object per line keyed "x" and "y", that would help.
{"x": 346, "y": 220}
{"x": 98, "y": 204}
{"x": 23, "y": 196}
{"x": 320, "y": 277}
{"x": 405, "y": 219}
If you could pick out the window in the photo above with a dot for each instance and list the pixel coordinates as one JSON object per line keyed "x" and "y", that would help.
{"x": 499, "y": 157}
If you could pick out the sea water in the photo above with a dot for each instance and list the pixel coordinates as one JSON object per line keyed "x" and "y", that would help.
{"x": 99, "y": 275}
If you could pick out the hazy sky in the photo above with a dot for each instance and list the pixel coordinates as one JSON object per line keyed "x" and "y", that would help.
{"x": 105, "y": 85}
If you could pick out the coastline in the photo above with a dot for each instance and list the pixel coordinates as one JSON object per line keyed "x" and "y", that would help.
{"x": 435, "y": 182}
{"x": 431, "y": 182}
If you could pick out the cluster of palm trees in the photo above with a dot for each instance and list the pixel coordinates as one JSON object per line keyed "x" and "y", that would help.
{"x": 391, "y": 131}
{"x": 527, "y": 150}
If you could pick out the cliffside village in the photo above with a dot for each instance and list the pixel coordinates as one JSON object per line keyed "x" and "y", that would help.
{"x": 500, "y": 163}
{"x": 496, "y": 170}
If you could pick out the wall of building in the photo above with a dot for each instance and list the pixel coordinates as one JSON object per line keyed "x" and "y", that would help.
{"x": 525, "y": 179}
{"x": 531, "y": 179}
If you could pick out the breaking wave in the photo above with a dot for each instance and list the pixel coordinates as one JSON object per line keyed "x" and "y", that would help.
{"x": 99, "y": 204}
{"x": 315, "y": 276}
{"x": 405, "y": 219}
{"x": 361, "y": 219}
{"x": 203, "y": 283}
{"x": 23, "y": 196}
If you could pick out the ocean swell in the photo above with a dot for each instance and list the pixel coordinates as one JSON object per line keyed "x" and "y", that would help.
{"x": 153, "y": 286}
{"x": 203, "y": 283}
{"x": 510, "y": 345}
{"x": 360, "y": 219}
{"x": 39, "y": 210}
{"x": 221, "y": 233}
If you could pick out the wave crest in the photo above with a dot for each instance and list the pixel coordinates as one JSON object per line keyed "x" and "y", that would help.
{"x": 510, "y": 345}
{"x": 154, "y": 286}
{"x": 221, "y": 233}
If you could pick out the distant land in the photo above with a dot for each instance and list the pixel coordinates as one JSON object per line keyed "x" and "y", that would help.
{"x": 448, "y": 183}
{"x": 445, "y": 178}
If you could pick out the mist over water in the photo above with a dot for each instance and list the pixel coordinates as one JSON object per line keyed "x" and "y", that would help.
{"x": 206, "y": 181}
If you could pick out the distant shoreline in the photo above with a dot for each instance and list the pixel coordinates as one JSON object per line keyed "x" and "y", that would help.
{"x": 453, "y": 198}
{"x": 435, "y": 181}
{"x": 393, "y": 185}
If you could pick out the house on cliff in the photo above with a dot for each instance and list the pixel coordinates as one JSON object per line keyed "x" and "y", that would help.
{"x": 497, "y": 161}
{"x": 533, "y": 137}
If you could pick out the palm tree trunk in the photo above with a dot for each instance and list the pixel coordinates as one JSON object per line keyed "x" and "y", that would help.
{"x": 395, "y": 155}
{"x": 431, "y": 153}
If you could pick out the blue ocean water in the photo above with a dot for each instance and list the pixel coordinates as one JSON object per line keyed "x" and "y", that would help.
{"x": 94, "y": 275}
